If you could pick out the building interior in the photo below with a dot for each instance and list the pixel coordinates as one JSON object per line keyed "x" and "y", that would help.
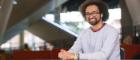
{"x": 38, "y": 29}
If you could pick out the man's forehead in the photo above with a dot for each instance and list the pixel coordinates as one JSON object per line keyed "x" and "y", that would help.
{"x": 92, "y": 8}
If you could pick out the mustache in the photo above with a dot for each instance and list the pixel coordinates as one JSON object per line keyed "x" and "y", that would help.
{"x": 91, "y": 19}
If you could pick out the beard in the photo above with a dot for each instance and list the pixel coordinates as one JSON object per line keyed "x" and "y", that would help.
{"x": 94, "y": 21}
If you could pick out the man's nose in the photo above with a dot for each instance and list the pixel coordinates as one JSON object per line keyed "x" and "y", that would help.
{"x": 91, "y": 16}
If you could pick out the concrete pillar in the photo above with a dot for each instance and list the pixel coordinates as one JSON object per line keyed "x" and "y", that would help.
{"x": 21, "y": 42}
{"x": 126, "y": 21}
{"x": 134, "y": 8}
{"x": 57, "y": 11}
{"x": 5, "y": 11}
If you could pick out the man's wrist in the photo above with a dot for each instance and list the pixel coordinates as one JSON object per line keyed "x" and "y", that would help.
{"x": 76, "y": 56}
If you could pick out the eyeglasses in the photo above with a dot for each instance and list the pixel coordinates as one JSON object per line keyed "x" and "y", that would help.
{"x": 93, "y": 13}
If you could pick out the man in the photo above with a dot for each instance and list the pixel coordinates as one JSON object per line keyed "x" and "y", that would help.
{"x": 100, "y": 41}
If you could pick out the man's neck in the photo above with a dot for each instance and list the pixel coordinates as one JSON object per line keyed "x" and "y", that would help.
{"x": 98, "y": 26}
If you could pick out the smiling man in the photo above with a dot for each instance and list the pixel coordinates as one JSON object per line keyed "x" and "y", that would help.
{"x": 98, "y": 42}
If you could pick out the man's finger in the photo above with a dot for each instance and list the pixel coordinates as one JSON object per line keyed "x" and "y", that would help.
{"x": 62, "y": 50}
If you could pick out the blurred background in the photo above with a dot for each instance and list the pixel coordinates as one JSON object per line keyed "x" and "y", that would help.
{"x": 38, "y": 29}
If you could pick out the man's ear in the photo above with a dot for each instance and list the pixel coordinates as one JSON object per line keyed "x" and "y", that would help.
{"x": 101, "y": 15}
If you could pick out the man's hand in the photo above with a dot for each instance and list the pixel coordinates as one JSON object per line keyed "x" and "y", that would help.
{"x": 63, "y": 54}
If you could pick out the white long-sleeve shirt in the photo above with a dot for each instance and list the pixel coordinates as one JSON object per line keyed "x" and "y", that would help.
{"x": 101, "y": 45}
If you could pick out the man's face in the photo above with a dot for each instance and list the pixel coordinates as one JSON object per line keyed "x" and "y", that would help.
{"x": 92, "y": 14}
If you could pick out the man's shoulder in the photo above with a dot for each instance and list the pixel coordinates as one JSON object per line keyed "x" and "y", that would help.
{"x": 111, "y": 28}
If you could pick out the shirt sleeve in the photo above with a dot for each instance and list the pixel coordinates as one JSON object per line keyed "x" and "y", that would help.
{"x": 109, "y": 45}
{"x": 77, "y": 46}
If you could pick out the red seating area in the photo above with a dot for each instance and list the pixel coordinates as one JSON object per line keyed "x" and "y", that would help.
{"x": 130, "y": 51}
{"x": 35, "y": 55}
